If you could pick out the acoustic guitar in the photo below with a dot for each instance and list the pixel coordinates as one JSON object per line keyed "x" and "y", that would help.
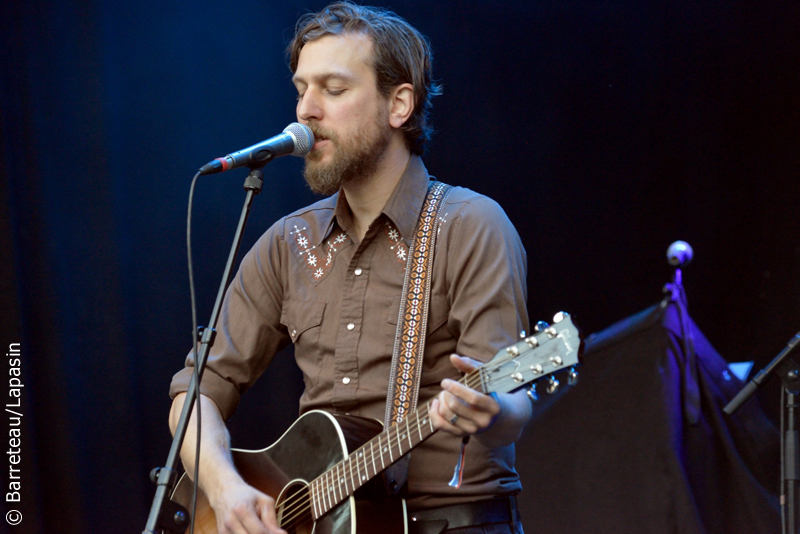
{"x": 321, "y": 468}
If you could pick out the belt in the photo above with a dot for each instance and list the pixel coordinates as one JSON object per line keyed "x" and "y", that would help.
{"x": 488, "y": 512}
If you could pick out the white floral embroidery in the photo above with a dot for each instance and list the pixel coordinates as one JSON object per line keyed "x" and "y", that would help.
{"x": 394, "y": 235}
{"x": 314, "y": 259}
{"x": 442, "y": 220}
{"x": 401, "y": 253}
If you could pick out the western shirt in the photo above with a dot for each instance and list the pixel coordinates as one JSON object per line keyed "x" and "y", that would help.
{"x": 309, "y": 281}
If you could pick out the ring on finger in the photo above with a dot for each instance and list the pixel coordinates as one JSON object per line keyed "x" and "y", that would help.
{"x": 454, "y": 419}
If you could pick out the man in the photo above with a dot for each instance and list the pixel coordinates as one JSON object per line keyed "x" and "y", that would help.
{"x": 329, "y": 278}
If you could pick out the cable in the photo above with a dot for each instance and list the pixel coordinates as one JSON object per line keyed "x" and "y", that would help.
{"x": 194, "y": 349}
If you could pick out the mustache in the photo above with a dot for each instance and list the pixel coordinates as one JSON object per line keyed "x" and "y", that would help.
{"x": 322, "y": 133}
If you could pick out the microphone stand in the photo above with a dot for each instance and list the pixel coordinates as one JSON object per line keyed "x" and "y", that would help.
{"x": 789, "y": 372}
{"x": 166, "y": 515}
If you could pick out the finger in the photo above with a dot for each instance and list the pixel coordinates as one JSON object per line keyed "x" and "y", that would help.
{"x": 236, "y": 522}
{"x": 468, "y": 395}
{"x": 464, "y": 364}
{"x": 246, "y": 520}
{"x": 470, "y": 419}
{"x": 441, "y": 416}
{"x": 459, "y": 414}
{"x": 269, "y": 516}
{"x": 476, "y": 408}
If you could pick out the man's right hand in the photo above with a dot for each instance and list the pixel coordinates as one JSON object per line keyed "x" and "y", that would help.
{"x": 242, "y": 509}
{"x": 239, "y": 507}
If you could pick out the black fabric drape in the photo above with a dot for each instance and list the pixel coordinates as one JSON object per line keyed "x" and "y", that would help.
{"x": 616, "y": 453}
{"x": 605, "y": 129}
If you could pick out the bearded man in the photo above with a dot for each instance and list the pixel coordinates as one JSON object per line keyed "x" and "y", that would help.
{"x": 329, "y": 278}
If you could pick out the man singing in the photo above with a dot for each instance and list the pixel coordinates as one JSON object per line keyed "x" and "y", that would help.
{"x": 329, "y": 279}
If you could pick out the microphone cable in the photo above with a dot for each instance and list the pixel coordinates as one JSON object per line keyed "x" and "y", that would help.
{"x": 195, "y": 486}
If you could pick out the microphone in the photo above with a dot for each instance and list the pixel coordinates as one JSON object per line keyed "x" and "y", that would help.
{"x": 680, "y": 254}
{"x": 296, "y": 140}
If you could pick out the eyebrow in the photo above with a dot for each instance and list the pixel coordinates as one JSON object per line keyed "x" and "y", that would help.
{"x": 324, "y": 77}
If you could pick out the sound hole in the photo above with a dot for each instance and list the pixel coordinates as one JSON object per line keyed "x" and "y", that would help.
{"x": 294, "y": 509}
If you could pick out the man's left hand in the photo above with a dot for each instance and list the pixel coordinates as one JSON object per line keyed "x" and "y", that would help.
{"x": 459, "y": 409}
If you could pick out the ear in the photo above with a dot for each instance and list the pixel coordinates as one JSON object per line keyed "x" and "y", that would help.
{"x": 401, "y": 104}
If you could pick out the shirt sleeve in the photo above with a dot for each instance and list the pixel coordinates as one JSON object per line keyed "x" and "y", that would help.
{"x": 249, "y": 331}
{"x": 486, "y": 278}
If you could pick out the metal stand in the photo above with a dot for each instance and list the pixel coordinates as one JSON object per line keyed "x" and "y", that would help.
{"x": 166, "y": 515}
{"x": 789, "y": 468}
{"x": 789, "y": 372}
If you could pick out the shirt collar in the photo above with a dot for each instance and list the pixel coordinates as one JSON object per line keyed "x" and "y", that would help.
{"x": 402, "y": 208}
{"x": 405, "y": 203}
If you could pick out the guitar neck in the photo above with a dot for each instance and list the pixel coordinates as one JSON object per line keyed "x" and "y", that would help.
{"x": 363, "y": 464}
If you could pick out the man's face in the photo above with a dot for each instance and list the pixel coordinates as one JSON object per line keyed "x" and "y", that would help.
{"x": 338, "y": 99}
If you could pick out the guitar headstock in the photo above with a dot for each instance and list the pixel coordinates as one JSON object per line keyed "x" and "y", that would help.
{"x": 549, "y": 349}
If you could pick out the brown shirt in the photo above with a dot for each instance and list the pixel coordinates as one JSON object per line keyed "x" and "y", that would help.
{"x": 307, "y": 281}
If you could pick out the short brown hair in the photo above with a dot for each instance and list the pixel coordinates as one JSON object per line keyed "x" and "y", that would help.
{"x": 401, "y": 54}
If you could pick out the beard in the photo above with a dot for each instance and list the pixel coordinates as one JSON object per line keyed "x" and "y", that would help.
{"x": 353, "y": 161}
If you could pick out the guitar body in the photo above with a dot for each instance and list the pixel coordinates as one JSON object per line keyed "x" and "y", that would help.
{"x": 311, "y": 446}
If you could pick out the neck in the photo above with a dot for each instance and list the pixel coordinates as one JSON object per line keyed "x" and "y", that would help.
{"x": 368, "y": 197}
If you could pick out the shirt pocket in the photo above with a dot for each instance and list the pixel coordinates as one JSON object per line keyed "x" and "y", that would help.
{"x": 302, "y": 320}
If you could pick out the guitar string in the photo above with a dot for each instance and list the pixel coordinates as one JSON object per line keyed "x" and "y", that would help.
{"x": 299, "y": 507}
{"x": 299, "y": 504}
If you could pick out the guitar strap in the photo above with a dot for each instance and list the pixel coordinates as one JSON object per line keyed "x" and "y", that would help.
{"x": 412, "y": 321}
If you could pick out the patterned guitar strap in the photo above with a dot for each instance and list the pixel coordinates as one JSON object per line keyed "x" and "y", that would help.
{"x": 409, "y": 342}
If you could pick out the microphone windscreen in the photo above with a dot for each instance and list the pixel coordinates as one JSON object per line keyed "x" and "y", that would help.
{"x": 680, "y": 254}
{"x": 303, "y": 138}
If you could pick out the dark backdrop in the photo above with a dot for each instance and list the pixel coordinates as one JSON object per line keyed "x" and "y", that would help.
{"x": 606, "y": 130}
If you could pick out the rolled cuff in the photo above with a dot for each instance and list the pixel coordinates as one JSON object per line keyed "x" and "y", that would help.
{"x": 213, "y": 386}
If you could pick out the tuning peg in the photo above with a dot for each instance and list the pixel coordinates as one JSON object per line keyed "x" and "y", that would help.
{"x": 572, "y": 376}
{"x": 541, "y": 326}
{"x": 532, "y": 393}
{"x": 560, "y": 316}
{"x": 552, "y": 385}
{"x": 522, "y": 334}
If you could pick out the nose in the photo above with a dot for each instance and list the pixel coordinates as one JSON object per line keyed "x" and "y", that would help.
{"x": 308, "y": 106}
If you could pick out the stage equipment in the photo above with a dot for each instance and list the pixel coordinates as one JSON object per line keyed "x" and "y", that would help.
{"x": 166, "y": 515}
{"x": 641, "y": 444}
{"x": 789, "y": 372}
{"x": 296, "y": 140}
